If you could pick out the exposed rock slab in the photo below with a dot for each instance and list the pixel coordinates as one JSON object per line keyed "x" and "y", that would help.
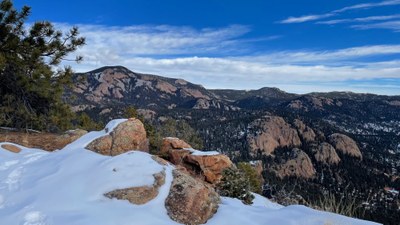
{"x": 190, "y": 201}
{"x": 45, "y": 141}
{"x": 171, "y": 143}
{"x": 127, "y": 136}
{"x": 298, "y": 165}
{"x": 305, "y": 132}
{"x": 326, "y": 153}
{"x": 139, "y": 195}
{"x": 272, "y": 132}
{"x": 211, "y": 165}
{"x": 208, "y": 167}
{"x": 345, "y": 144}
{"x": 11, "y": 148}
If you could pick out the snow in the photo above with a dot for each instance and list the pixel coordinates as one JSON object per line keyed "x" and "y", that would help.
{"x": 67, "y": 187}
{"x": 198, "y": 152}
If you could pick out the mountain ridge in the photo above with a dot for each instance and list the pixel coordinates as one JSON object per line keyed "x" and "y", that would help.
{"x": 232, "y": 122}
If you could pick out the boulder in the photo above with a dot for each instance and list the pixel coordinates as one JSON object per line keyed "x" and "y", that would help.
{"x": 139, "y": 195}
{"x": 71, "y": 135}
{"x": 208, "y": 167}
{"x": 298, "y": 164}
{"x": 171, "y": 143}
{"x": 345, "y": 144}
{"x": 270, "y": 133}
{"x": 326, "y": 153}
{"x": 211, "y": 166}
{"x": 190, "y": 201}
{"x": 11, "y": 148}
{"x": 127, "y": 136}
{"x": 102, "y": 145}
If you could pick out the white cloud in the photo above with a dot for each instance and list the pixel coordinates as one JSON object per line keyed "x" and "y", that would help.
{"x": 171, "y": 51}
{"x": 245, "y": 74}
{"x": 361, "y": 19}
{"x": 337, "y": 57}
{"x": 368, "y": 5}
{"x": 307, "y": 18}
{"x": 390, "y": 25}
{"x": 157, "y": 39}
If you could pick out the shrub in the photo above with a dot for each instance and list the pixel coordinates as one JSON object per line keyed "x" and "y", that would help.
{"x": 252, "y": 176}
{"x": 235, "y": 184}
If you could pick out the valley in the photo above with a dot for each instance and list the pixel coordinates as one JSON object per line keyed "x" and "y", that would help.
{"x": 339, "y": 143}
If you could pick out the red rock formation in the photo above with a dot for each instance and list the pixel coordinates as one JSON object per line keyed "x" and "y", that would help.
{"x": 11, "y": 148}
{"x": 326, "y": 153}
{"x": 273, "y": 132}
{"x": 305, "y": 132}
{"x": 139, "y": 195}
{"x": 206, "y": 166}
{"x": 298, "y": 165}
{"x": 127, "y": 136}
{"x": 345, "y": 144}
{"x": 190, "y": 201}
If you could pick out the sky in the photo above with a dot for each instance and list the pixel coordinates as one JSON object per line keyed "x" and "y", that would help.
{"x": 299, "y": 46}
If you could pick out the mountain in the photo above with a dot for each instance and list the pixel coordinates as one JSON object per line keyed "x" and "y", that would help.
{"x": 311, "y": 145}
{"x": 77, "y": 186}
{"x": 118, "y": 85}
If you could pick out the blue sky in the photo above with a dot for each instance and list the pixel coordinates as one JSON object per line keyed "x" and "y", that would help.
{"x": 297, "y": 45}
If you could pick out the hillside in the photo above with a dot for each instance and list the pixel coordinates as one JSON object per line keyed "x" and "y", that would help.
{"x": 294, "y": 136}
{"x": 72, "y": 186}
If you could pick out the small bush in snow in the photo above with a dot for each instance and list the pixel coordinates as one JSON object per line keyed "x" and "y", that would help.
{"x": 235, "y": 184}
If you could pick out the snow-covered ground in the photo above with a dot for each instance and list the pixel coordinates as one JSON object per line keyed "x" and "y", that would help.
{"x": 66, "y": 187}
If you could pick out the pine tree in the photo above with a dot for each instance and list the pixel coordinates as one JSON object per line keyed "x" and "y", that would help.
{"x": 30, "y": 88}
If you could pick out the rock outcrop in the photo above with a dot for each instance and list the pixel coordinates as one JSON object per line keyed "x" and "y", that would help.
{"x": 305, "y": 132}
{"x": 272, "y": 132}
{"x": 298, "y": 164}
{"x": 172, "y": 143}
{"x": 206, "y": 166}
{"x": 11, "y": 148}
{"x": 326, "y": 153}
{"x": 211, "y": 166}
{"x": 190, "y": 201}
{"x": 345, "y": 144}
{"x": 70, "y": 136}
{"x": 42, "y": 140}
{"x": 127, "y": 136}
{"x": 311, "y": 103}
{"x": 139, "y": 195}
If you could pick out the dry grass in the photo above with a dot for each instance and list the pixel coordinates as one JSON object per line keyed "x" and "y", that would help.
{"x": 46, "y": 141}
{"x": 344, "y": 205}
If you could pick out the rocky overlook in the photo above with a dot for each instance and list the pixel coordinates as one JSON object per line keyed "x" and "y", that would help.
{"x": 132, "y": 186}
{"x": 351, "y": 139}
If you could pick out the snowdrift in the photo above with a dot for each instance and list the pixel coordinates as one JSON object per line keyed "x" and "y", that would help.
{"x": 67, "y": 187}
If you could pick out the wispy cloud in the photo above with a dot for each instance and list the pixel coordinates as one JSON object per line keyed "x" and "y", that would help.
{"x": 157, "y": 39}
{"x": 390, "y": 25}
{"x": 361, "y": 19}
{"x": 176, "y": 52}
{"x": 307, "y": 18}
{"x": 368, "y": 5}
{"x": 326, "y": 57}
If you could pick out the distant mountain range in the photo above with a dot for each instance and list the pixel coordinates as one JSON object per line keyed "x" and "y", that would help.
{"x": 312, "y": 144}
{"x": 117, "y": 84}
